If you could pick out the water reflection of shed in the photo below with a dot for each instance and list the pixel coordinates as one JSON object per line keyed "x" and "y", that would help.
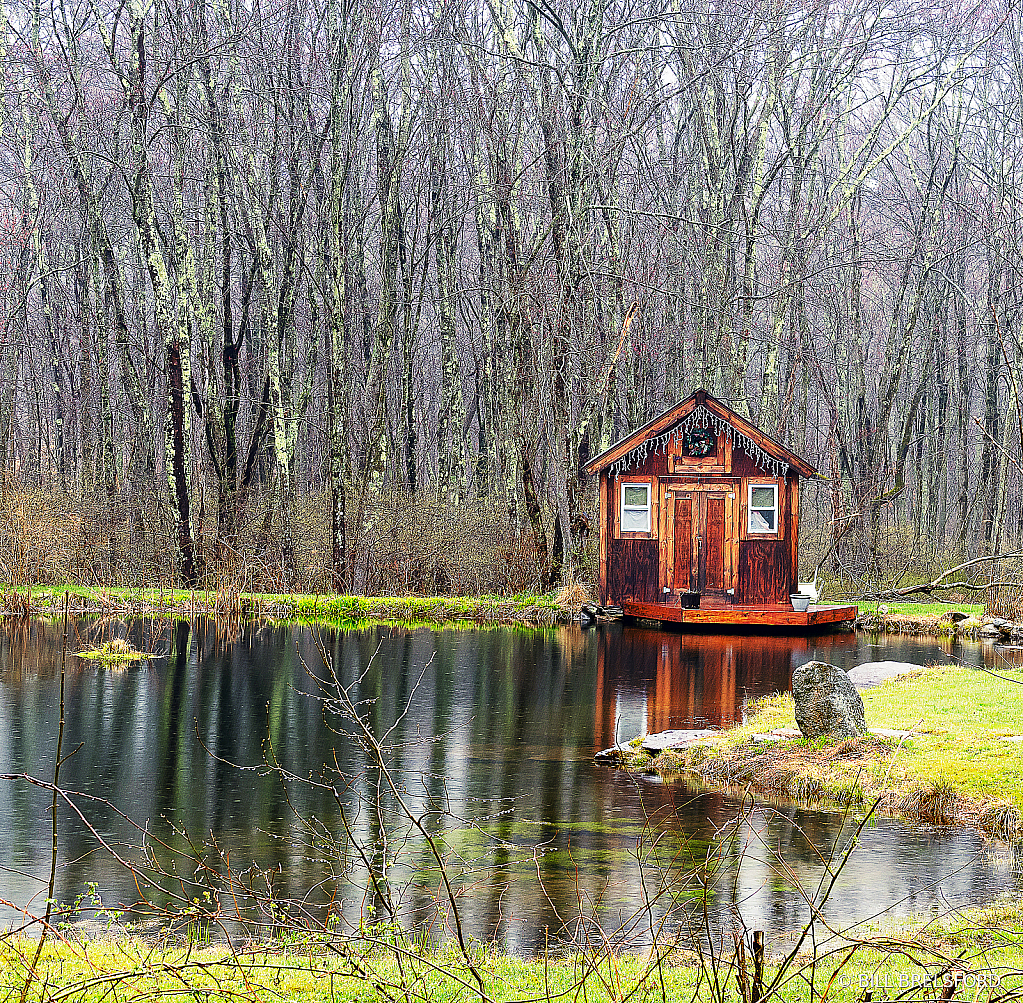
{"x": 661, "y": 680}
{"x": 700, "y": 506}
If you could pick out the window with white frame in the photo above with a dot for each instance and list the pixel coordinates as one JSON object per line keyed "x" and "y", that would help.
{"x": 635, "y": 508}
{"x": 763, "y": 508}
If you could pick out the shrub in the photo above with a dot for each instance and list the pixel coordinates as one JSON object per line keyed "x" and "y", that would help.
{"x": 399, "y": 544}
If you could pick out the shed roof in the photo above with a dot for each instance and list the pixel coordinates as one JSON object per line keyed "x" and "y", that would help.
{"x": 674, "y": 415}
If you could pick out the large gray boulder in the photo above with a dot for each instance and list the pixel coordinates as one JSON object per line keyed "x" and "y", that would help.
{"x": 827, "y": 704}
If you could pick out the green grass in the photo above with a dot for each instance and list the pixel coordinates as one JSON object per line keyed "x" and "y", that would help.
{"x": 132, "y": 969}
{"x": 349, "y": 610}
{"x": 960, "y": 716}
{"x": 117, "y": 650}
{"x": 986, "y": 942}
{"x": 919, "y": 618}
{"x": 963, "y": 714}
{"x": 922, "y": 608}
{"x": 301, "y": 607}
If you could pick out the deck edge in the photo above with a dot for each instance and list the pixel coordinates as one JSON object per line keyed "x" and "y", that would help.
{"x": 741, "y": 616}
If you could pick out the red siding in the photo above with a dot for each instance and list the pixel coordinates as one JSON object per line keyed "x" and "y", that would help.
{"x": 632, "y": 570}
{"x": 655, "y": 464}
{"x": 743, "y": 466}
{"x": 765, "y": 572}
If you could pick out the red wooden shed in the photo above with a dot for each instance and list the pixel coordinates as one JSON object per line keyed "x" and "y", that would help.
{"x": 699, "y": 521}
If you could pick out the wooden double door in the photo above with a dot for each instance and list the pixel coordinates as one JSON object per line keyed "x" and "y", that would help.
{"x": 699, "y": 542}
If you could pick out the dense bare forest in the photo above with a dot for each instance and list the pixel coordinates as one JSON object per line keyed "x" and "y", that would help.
{"x": 343, "y": 295}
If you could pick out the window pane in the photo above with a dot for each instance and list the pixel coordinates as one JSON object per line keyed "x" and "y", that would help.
{"x": 636, "y": 520}
{"x": 762, "y": 497}
{"x": 761, "y": 521}
{"x": 636, "y": 494}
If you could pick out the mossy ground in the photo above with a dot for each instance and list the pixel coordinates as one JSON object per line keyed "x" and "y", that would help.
{"x": 523, "y": 608}
{"x": 339, "y": 609}
{"x": 922, "y": 608}
{"x": 983, "y": 943}
{"x": 918, "y": 618}
{"x": 113, "y": 651}
{"x": 958, "y": 766}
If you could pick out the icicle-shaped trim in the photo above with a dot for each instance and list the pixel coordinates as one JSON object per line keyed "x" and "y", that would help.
{"x": 700, "y": 417}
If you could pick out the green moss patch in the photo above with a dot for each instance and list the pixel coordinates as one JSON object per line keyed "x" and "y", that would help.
{"x": 117, "y": 650}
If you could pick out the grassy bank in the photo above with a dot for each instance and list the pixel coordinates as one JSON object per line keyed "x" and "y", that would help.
{"x": 523, "y": 608}
{"x": 343, "y": 609}
{"x": 918, "y": 618}
{"x": 962, "y": 764}
{"x": 922, "y": 609}
{"x": 983, "y": 944}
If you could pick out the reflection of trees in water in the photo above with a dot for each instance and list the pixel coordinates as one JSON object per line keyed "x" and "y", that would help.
{"x": 498, "y": 740}
{"x": 681, "y": 680}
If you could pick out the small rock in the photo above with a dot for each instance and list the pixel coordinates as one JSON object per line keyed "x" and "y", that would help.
{"x": 989, "y": 630}
{"x": 827, "y": 704}
{"x": 996, "y": 621}
{"x": 891, "y": 733}
{"x": 873, "y": 673}
{"x": 787, "y": 732}
{"x": 616, "y": 754}
{"x": 768, "y": 738}
{"x": 1012, "y": 738}
{"x": 675, "y": 739}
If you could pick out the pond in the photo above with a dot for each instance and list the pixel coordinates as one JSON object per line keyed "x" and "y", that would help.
{"x": 488, "y": 741}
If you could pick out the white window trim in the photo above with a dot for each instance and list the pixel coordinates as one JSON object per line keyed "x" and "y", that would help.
{"x": 761, "y": 508}
{"x": 635, "y": 508}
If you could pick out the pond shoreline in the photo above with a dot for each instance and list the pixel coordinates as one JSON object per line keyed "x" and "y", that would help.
{"x": 488, "y": 610}
{"x": 961, "y": 620}
{"x": 921, "y": 777}
{"x": 772, "y": 778}
{"x": 528, "y": 610}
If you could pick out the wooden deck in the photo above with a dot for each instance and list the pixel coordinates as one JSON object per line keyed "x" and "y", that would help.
{"x": 715, "y": 614}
